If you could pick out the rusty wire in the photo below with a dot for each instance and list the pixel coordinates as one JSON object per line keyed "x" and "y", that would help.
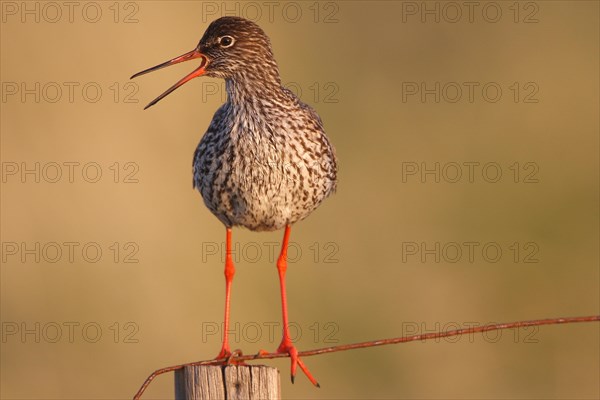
{"x": 238, "y": 357}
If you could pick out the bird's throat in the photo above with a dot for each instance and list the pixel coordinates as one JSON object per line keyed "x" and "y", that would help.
{"x": 244, "y": 88}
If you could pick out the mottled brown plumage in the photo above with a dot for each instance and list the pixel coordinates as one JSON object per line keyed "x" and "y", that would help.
{"x": 264, "y": 163}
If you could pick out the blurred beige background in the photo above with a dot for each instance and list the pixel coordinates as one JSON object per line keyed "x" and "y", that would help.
{"x": 77, "y": 329}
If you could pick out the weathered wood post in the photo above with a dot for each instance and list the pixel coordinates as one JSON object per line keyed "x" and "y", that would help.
{"x": 232, "y": 382}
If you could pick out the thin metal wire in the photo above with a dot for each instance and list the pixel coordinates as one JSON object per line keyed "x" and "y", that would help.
{"x": 238, "y": 357}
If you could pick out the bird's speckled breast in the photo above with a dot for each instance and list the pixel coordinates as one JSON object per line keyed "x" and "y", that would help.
{"x": 265, "y": 166}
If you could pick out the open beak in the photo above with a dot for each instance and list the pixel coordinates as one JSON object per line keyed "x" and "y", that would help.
{"x": 185, "y": 57}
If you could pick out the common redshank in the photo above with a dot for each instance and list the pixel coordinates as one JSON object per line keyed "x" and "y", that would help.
{"x": 265, "y": 162}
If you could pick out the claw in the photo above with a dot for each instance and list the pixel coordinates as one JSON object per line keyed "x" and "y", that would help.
{"x": 296, "y": 362}
{"x": 229, "y": 356}
{"x": 307, "y": 373}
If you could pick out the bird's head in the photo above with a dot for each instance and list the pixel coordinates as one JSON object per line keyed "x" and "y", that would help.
{"x": 231, "y": 48}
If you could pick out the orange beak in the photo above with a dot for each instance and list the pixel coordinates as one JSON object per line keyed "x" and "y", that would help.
{"x": 185, "y": 57}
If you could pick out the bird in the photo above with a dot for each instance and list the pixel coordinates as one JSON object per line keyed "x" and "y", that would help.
{"x": 265, "y": 162}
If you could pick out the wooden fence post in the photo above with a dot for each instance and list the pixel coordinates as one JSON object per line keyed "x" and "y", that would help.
{"x": 232, "y": 382}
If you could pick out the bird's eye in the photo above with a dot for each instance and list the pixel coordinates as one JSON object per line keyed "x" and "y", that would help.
{"x": 226, "y": 41}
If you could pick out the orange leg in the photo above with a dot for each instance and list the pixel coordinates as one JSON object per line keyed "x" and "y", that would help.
{"x": 229, "y": 272}
{"x": 286, "y": 345}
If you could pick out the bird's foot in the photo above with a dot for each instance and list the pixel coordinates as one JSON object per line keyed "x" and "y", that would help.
{"x": 229, "y": 356}
{"x": 286, "y": 347}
